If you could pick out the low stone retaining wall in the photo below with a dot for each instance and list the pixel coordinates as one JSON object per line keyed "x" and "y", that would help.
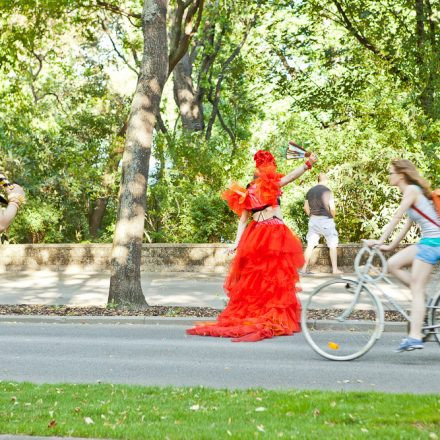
{"x": 158, "y": 257}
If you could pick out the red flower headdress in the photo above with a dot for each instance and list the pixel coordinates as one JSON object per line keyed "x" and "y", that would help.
{"x": 264, "y": 158}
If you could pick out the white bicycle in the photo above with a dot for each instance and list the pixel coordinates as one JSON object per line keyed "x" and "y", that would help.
{"x": 342, "y": 318}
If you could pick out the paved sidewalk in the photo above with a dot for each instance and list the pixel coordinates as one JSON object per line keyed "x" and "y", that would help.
{"x": 171, "y": 288}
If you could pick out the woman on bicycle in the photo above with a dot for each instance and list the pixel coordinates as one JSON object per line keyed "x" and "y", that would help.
{"x": 261, "y": 280}
{"x": 417, "y": 204}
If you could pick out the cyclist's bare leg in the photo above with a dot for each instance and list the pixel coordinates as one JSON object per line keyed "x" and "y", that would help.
{"x": 403, "y": 258}
{"x": 420, "y": 274}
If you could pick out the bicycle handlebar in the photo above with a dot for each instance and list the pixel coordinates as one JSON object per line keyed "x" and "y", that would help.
{"x": 363, "y": 271}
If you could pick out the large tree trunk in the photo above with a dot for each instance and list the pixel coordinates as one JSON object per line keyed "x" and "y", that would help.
{"x": 125, "y": 285}
{"x": 190, "y": 106}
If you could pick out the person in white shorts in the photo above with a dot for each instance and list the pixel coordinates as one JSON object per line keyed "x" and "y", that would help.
{"x": 320, "y": 207}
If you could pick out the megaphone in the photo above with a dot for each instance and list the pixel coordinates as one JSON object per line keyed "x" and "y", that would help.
{"x": 4, "y": 183}
{"x": 295, "y": 151}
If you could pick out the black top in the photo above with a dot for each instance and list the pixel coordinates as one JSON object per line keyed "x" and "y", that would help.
{"x": 262, "y": 208}
{"x": 316, "y": 200}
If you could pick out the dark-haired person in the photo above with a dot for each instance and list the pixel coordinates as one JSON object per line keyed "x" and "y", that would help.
{"x": 417, "y": 204}
{"x": 262, "y": 277}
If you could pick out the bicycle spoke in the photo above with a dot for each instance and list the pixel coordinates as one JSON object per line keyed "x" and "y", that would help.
{"x": 342, "y": 321}
{"x": 434, "y": 318}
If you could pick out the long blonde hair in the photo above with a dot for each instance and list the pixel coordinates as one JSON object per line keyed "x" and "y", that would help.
{"x": 411, "y": 175}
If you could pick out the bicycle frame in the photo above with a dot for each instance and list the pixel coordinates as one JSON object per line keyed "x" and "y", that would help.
{"x": 368, "y": 280}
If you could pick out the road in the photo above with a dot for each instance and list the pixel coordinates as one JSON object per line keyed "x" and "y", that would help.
{"x": 165, "y": 355}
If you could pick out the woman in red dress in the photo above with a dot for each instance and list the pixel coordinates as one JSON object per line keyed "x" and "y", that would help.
{"x": 262, "y": 277}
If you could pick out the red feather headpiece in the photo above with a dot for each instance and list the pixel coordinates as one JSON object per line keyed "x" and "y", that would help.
{"x": 263, "y": 158}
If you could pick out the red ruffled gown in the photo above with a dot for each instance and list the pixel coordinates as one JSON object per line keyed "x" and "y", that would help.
{"x": 262, "y": 277}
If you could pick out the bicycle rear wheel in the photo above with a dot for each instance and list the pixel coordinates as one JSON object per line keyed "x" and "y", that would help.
{"x": 342, "y": 319}
{"x": 434, "y": 317}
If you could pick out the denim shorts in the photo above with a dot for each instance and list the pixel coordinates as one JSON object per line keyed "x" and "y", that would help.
{"x": 428, "y": 254}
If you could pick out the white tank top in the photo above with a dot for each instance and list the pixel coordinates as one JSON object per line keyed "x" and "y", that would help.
{"x": 429, "y": 229}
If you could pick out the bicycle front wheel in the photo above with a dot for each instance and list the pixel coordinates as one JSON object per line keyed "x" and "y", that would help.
{"x": 434, "y": 317}
{"x": 342, "y": 319}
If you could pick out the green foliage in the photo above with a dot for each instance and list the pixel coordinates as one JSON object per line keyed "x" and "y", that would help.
{"x": 184, "y": 202}
{"x": 38, "y": 223}
{"x": 356, "y": 81}
{"x": 59, "y": 119}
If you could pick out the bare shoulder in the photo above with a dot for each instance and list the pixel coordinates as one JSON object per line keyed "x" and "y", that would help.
{"x": 411, "y": 193}
{"x": 412, "y": 190}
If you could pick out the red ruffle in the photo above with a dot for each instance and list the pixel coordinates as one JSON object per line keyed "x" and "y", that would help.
{"x": 264, "y": 190}
{"x": 261, "y": 286}
{"x": 268, "y": 185}
{"x": 235, "y": 196}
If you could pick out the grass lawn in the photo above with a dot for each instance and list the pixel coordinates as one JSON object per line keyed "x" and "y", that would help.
{"x": 135, "y": 412}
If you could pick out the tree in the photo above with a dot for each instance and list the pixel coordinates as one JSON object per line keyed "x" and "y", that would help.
{"x": 156, "y": 65}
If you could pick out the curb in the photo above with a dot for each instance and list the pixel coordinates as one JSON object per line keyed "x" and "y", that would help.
{"x": 136, "y": 320}
{"x": 113, "y": 320}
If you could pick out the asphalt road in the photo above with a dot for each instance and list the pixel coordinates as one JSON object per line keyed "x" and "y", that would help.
{"x": 165, "y": 355}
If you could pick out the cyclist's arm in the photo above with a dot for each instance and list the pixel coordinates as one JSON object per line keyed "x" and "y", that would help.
{"x": 409, "y": 198}
{"x": 400, "y": 235}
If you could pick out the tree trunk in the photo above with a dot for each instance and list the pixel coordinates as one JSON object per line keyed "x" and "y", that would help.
{"x": 97, "y": 212}
{"x": 125, "y": 285}
{"x": 190, "y": 106}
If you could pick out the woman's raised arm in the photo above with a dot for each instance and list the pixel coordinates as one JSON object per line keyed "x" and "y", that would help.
{"x": 297, "y": 172}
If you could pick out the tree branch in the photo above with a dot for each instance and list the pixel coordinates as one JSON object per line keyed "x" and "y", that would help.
{"x": 291, "y": 70}
{"x": 226, "y": 128}
{"x": 364, "y": 41}
{"x": 161, "y": 124}
{"x": 208, "y": 57}
{"x": 117, "y": 10}
{"x": 432, "y": 26}
{"x": 40, "y": 64}
{"x": 183, "y": 32}
{"x": 115, "y": 48}
{"x": 420, "y": 31}
{"x": 390, "y": 9}
{"x": 226, "y": 64}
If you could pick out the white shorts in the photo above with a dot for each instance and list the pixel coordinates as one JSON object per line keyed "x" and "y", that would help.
{"x": 321, "y": 225}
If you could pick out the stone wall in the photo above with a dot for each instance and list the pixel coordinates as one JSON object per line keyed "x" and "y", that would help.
{"x": 208, "y": 258}
{"x": 155, "y": 257}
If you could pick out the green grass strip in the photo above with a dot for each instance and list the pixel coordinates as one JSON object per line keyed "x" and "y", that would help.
{"x": 136, "y": 412}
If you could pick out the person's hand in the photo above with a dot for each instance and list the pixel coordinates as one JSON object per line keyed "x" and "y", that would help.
{"x": 231, "y": 250}
{"x": 372, "y": 243}
{"x": 16, "y": 195}
{"x": 313, "y": 158}
{"x": 14, "y": 189}
{"x": 386, "y": 247}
